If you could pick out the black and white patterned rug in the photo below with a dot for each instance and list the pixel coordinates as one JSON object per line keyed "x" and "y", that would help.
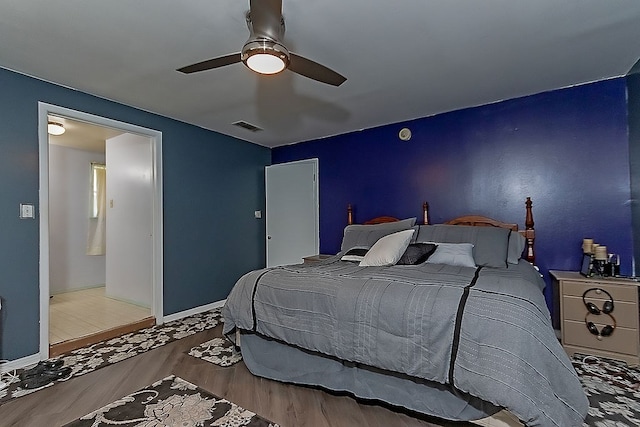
{"x": 96, "y": 356}
{"x": 612, "y": 387}
{"x": 218, "y": 351}
{"x": 172, "y": 402}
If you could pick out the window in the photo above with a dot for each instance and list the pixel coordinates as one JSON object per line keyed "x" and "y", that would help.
{"x": 98, "y": 183}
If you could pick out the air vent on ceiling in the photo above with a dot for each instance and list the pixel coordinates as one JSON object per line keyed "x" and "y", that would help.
{"x": 247, "y": 126}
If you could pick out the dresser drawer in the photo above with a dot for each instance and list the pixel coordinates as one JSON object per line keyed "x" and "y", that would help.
{"x": 626, "y": 313}
{"x": 618, "y": 292}
{"x": 623, "y": 340}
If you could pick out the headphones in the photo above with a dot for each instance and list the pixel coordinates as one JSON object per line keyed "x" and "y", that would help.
{"x": 605, "y": 332}
{"x": 607, "y": 308}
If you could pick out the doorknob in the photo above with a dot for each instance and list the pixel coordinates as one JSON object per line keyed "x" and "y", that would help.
{"x": 268, "y": 237}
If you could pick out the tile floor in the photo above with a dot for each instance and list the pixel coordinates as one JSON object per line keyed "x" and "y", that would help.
{"x": 80, "y": 313}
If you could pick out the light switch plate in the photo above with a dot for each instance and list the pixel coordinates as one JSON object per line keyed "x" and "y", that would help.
{"x": 27, "y": 211}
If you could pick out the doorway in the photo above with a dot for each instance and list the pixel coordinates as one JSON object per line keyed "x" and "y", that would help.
{"x": 127, "y": 139}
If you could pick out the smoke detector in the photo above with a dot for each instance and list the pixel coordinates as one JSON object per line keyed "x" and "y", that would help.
{"x": 404, "y": 134}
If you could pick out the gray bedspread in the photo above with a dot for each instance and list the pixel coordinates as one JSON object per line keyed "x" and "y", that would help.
{"x": 485, "y": 331}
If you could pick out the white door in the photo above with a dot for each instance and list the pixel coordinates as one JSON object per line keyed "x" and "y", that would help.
{"x": 129, "y": 254}
{"x": 292, "y": 216}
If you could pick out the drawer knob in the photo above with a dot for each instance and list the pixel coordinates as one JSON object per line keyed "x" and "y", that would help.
{"x": 599, "y": 337}
{"x": 598, "y": 291}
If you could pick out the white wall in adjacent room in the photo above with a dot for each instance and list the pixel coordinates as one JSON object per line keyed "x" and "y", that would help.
{"x": 69, "y": 184}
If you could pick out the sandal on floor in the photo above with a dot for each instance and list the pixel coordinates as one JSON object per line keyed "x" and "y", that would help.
{"x": 56, "y": 374}
{"x": 41, "y": 367}
{"x": 31, "y": 373}
{"x": 47, "y": 376}
{"x": 53, "y": 363}
{"x": 35, "y": 381}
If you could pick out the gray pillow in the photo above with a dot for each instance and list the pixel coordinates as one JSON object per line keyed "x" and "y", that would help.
{"x": 517, "y": 242}
{"x": 459, "y": 254}
{"x": 490, "y": 244}
{"x": 364, "y": 236}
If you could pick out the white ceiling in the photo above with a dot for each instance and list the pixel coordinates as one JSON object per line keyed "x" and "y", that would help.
{"x": 403, "y": 59}
{"x": 81, "y": 135}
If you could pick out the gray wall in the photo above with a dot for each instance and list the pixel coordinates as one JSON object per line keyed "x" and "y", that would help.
{"x": 205, "y": 250}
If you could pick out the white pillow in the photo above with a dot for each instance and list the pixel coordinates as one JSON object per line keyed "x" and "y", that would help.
{"x": 388, "y": 250}
{"x": 458, "y": 254}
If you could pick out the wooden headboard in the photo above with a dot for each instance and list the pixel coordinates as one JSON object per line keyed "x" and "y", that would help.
{"x": 476, "y": 220}
{"x": 382, "y": 219}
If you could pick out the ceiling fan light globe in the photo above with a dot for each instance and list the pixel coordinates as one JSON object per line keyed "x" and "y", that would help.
{"x": 265, "y": 63}
{"x": 54, "y": 128}
{"x": 265, "y": 56}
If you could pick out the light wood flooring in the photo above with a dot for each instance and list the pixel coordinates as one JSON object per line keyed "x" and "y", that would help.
{"x": 77, "y": 316}
{"x": 287, "y": 405}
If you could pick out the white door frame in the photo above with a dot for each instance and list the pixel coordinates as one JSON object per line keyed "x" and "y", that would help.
{"x": 155, "y": 136}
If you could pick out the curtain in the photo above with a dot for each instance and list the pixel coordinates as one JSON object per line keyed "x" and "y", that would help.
{"x": 96, "y": 241}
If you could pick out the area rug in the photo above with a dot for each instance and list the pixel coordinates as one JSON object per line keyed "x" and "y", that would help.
{"x": 96, "y": 356}
{"x": 218, "y": 351}
{"x": 172, "y": 402}
{"x": 612, "y": 387}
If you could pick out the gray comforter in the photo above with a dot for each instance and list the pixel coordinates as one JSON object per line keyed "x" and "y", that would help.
{"x": 485, "y": 331}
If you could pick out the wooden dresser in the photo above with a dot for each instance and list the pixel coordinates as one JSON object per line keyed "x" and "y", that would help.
{"x": 624, "y": 343}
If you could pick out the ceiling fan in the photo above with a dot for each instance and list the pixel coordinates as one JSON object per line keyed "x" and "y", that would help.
{"x": 264, "y": 52}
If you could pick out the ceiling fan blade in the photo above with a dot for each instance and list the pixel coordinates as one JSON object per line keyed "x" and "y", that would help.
{"x": 315, "y": 71}
{"x": 266, "y": 18}
{"x": 211, "y": 63}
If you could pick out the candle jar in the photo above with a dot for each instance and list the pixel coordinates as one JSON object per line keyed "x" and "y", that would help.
{"x": 587, "y": 246}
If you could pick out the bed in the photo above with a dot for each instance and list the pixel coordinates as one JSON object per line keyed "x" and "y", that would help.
{"x": 460, "y": 334}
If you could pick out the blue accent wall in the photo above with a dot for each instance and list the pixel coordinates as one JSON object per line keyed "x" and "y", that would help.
{"x": 212, "y": 186}
{"x": 566, "y": 149}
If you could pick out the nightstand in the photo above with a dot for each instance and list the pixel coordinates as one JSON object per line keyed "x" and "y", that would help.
{"x": 315, "y": 258}
{"x": 624, "y": 343}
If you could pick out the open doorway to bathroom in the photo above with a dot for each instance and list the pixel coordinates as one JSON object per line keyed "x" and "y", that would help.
{"x": 101, "y": 232}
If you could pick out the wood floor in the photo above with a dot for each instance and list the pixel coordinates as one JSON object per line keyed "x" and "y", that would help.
{"x": 287, "y": 405}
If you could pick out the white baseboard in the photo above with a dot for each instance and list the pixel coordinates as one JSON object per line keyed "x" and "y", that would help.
{"x": 19, "y": 363}
{"x": 192, "y": 311}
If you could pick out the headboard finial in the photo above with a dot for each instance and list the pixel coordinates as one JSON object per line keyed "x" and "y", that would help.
{"x": 529, "y": 233}
{"x": 425, "y": 213}
{"x": 528, "y": 222}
